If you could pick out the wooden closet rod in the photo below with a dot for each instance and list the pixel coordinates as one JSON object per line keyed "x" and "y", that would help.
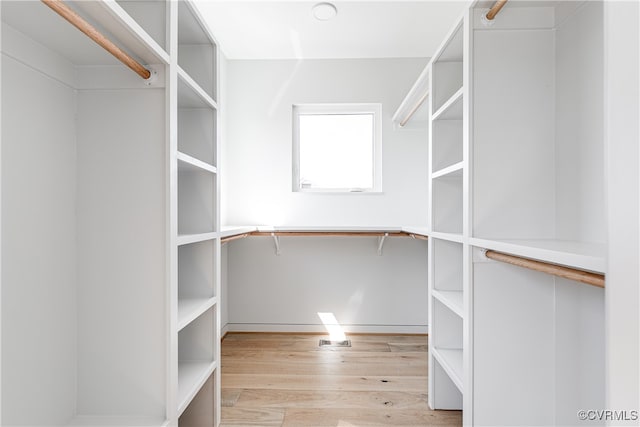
{"x": 495, "y": 9}
{"x": 414, "y": 109}
{"x": 593, "y": 279}
{"x": 418, "y": 236}
{"x": 232, "y": 238}
{"x": 76, "y": 20}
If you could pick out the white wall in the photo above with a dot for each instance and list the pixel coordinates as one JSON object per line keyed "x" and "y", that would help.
{"x": 344, "y": 276}
{"x": 38, "y": 242}
{"x": 121, "y": 253}
{"x": 257, "y": 155}
{"x": 579, "y": 169}
{"x": 341, "y": 275}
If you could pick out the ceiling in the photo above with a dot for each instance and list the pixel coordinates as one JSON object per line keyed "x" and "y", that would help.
{"x": 361, "y": 29}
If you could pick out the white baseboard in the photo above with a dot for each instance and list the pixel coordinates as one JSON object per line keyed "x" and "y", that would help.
{"x": 293, "y": 328}
{"x": 224, "y": 330}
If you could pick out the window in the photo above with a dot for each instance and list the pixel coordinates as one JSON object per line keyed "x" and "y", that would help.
{"x": 337, "y": 148}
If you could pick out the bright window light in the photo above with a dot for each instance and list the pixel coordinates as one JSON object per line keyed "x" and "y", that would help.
{"x": 337, "y": 148}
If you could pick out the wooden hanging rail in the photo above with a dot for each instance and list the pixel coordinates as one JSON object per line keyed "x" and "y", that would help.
{"x": 592, "y": 279}
{"x": 495, "y": 9}
{"x": 77, "y": 21}
{"x": 418, "y": 236}
{"x": 232, "y": 238}
{"x": 414, "y": 109}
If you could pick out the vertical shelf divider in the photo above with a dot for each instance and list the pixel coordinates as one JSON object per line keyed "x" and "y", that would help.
{"x": 194, "y": 200}
{"x": 449, "y": 369}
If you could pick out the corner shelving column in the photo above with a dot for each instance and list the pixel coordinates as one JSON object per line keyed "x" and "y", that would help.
{"x": 448, "y": 242}
{"x": 195, "y": 349}
{"x": 538, "y": 192}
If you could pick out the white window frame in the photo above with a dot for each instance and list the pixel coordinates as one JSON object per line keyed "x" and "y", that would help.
{"x": 315, "y": 109}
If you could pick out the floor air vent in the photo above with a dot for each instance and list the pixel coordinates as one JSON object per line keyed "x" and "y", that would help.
{"x": 329, "y": 343}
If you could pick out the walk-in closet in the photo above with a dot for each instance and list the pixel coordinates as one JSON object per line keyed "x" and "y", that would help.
{"x": 390, "y": 213}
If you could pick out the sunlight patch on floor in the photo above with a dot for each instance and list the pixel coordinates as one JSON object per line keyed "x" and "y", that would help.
{"x": 336, "y": 333}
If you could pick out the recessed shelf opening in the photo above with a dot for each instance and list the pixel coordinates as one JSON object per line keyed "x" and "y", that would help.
{"x": 197, "y": 133}
{"x": 196, "y": 51}
{"x": 196, "y": 202}
{"x": 151, "y": 15}
{"x": 447, "y": 204}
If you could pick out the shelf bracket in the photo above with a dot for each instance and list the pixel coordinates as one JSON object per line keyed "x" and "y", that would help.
{"x": 381, "y": 242}
{"x": 276, "y": 242}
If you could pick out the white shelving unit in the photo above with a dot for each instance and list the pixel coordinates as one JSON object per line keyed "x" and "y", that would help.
{"x": 84, "y": 156}
{"x": 189, "y": 309}
{"x": 413, "y": 112}
{"x": 516, "y": 166}
{"x": 538, "y": 192}
{"x": 196, "y": 328}
{"x": 448, "y": 168}
{"x": 452, "y": 108}
{"x": 450, "y": 359}
{"x": 197, "y": 357}
{"x": 445, "y": 79}
{"x": 123, "y": 212}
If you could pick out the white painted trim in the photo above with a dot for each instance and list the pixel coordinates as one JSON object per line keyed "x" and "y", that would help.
{"x": 171, "y": 191}
{"x": 622, "y": 134}
{"x": 342, "y": 108}
{"x": 224, "y": 331}
{"x": 1, "y": 145}
{"x": 419, "y": 88}
{"x": 116, "y": 421}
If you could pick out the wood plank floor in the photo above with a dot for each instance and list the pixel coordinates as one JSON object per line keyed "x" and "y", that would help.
{"x": 288, "y": 380}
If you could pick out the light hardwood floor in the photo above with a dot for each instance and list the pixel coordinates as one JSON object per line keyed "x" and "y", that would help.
{"x": 288, "y": 380}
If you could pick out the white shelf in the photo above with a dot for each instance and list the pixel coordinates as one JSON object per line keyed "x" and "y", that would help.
{"x": 186, "y": 239}
{"x": 197, "y": 50}
{"x": 191, "y": 308}
{"x": 581, "y": 255}
{"x": 451, "y": 362}
{"x": 197, "y": 202}
{"x": 188, "y": 163}
{"x": 447, "y": 144}
{"x": 191, "y": 377}
{"x": 453, "y": 170}
{"x": 452, "y": 109}
{"x": 452, "y": 237}
{"x": 112, "y": 17}
{"x": 421, "y": 231}
{"x": 451, "y": 299}
{"x": 234, "y": 230}
{"x": 349, "y": 228}
{"x": 415, "y": 94}
{"x": 452, "y": 47}
{"x": 191, "y": 95}
{"x": 447, "y": 193}
{"x": 151, "y": 16}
